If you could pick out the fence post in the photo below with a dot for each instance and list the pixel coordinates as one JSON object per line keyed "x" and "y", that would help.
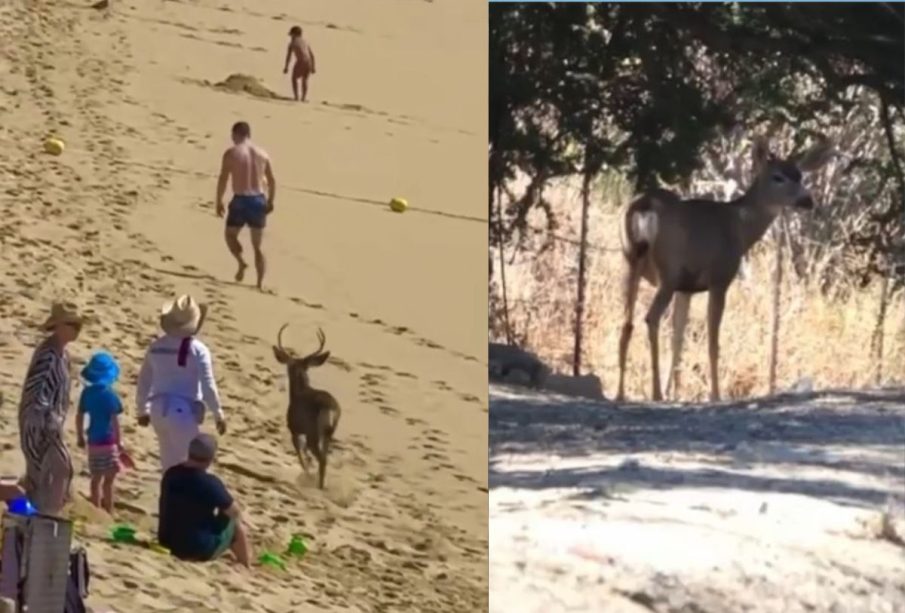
{"x": 582, "y": 272}
{"x": 777, "y": 290}
{"x": 501, "y": 243}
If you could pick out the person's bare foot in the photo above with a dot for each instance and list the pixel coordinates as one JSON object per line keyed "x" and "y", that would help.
{"x": 240, "y": 274}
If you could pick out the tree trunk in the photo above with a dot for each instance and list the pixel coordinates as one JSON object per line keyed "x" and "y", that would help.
{"x": 501, "y": 246}
{"x": 582, "y": 271}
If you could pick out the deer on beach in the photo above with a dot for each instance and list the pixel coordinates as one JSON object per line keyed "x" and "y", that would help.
{"x": 312, "y": 414}
{"x": 683, "y": 247}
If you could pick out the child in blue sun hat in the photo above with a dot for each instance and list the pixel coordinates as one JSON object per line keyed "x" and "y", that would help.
{"x": 100, "y": 402}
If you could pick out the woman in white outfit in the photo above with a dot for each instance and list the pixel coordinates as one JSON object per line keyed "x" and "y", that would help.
{"x": 176, "y": 382}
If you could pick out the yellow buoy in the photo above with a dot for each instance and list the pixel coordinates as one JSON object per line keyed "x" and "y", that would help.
{"x": 399, "y": 204}
{"x": 54, "y": 146}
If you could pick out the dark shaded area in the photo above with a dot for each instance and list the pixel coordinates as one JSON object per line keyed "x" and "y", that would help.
{"x": 659, "y": 478}
{"x": 787, "y": 431}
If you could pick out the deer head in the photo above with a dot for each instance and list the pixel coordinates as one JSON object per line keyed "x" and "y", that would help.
{"x": 777, "y": 181}
{"x": 296, "y": 367}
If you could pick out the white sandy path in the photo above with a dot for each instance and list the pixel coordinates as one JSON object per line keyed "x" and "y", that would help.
{"x": 599, "y": 508}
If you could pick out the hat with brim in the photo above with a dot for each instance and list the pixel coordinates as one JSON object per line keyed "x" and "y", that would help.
{"x": 101, "y": 369}
{"x": 182, "y": 316}
{"x": 63, "y": 313}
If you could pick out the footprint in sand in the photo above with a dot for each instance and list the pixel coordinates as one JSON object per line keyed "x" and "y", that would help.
{"x": 339, "y": 363}
{"x": 470, "y": 398}
{"x": 429, "y": 343}
{"x": 372, "y": 379}
{"x": 310, "y": 305}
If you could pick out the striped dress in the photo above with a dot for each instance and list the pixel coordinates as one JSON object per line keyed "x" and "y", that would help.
{"x": 42, "y": 415}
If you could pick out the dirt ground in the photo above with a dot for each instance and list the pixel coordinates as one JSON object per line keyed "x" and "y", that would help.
{"x": 785, "y": 504}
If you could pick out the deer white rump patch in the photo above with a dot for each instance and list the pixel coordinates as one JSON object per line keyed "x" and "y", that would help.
{"x": 644, "y": 226}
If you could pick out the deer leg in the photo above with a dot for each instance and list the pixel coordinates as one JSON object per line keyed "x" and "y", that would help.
{"x": 715, "y": 305}
{"x": 680, "y": 306}
{"x": 300, "y": 451}
{"x": 321, "y": 467}
{"x": 632, "y": 279}
{"x": 654, "y": 315}
{"x": 315, "y": 445}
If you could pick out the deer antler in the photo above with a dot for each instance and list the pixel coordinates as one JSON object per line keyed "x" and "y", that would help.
{"x": 280, "y": 337}
{"x": 322, "y": 340}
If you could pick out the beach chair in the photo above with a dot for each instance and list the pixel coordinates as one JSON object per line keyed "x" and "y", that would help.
{"x": 35, "y": 562}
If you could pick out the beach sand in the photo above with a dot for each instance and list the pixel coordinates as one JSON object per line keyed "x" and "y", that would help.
{"x": 124, "y": 219}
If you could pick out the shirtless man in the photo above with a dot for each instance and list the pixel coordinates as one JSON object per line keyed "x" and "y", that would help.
{"x": 304, "y": 62}
{"x": 245, "y": 163}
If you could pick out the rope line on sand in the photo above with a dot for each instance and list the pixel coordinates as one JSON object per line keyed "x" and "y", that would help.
{"x": 292, "y": 188}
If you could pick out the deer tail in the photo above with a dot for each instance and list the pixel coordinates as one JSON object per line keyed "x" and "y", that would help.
{"x": 639, "y": 228}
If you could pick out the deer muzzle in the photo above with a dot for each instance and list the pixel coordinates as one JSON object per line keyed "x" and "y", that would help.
{"x": 805, "y": 203}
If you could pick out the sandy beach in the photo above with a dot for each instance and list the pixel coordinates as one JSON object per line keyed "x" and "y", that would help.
{"x": 144, "y": 94}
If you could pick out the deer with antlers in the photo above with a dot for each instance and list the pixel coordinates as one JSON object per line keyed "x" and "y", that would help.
{"x": 312, "y": 414}
{"x": 684, "y": 247}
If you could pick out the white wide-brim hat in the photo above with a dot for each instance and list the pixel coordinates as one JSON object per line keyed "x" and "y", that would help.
{"x": 182, "y": 316}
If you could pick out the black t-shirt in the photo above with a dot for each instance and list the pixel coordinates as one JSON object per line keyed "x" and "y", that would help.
{"x": 192, "y": 502}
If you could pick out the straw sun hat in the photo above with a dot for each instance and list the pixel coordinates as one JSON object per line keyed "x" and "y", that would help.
{"x": 182, "y": 316}
{"x": 62, "y": 313}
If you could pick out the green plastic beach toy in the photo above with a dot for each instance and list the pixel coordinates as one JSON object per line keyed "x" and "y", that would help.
{"x": 272, "y": 559}
{"x": 123, "y": 533}
{"x": 297, "y": 546}
{"x": 158, "y": 548}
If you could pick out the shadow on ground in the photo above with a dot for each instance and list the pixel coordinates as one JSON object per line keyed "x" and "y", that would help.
{"x": 847, "y": 432}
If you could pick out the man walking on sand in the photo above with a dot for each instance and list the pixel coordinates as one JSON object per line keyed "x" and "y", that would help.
{"x": 248, "y": 166}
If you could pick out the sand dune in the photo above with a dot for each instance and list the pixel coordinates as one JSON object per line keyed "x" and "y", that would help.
{"x": 124, "y": 218}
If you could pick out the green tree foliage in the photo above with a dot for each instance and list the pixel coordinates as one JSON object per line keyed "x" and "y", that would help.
{"x": 643, "y": 88}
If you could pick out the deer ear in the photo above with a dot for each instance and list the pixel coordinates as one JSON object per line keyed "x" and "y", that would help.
{"x": 319, "y": 359}
{"x": 816, "y": 156}
{"x": 760, "y": 153}
{"x": 281, "y": 356}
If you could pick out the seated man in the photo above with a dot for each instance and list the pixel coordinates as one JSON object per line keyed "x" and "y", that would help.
{"x": 199, "y": 520}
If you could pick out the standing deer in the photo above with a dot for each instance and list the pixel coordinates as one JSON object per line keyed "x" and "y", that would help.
{"x": 683, "y": 247}
{"x": 312, "y": 413}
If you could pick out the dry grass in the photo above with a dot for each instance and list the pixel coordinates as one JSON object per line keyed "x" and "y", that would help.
{"x": 825, "y": 340}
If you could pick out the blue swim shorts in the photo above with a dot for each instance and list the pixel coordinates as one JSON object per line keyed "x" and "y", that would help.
{"x": 250, "y": 210}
